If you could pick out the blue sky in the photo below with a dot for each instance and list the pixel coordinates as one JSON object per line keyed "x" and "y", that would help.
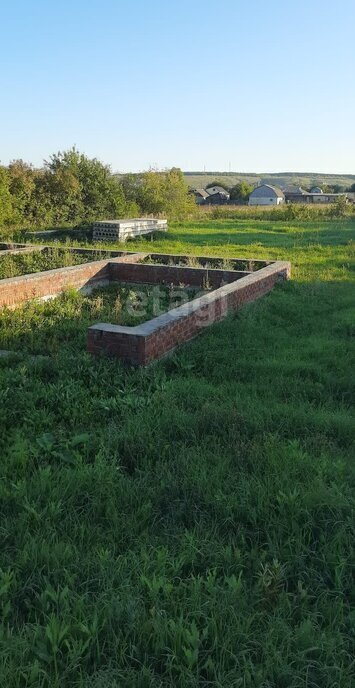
{"x": 254, "y": 86}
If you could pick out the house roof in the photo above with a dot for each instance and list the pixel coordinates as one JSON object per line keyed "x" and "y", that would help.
{"x": 216, "y": 189}
{"x": 293, "y": 189}
{"x": 219, "y": 193}
{"x": 201, "y": 192}
{"x": 265, "y": 191}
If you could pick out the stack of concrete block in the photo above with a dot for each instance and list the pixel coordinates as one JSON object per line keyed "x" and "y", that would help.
{"x": 121, "y": 230}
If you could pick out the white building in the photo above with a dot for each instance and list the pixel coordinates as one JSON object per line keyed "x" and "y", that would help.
{"x": 266, "y": 195}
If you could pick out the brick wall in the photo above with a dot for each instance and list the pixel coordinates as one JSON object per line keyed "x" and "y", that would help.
{"x": 16, "y": 290}
{"x": 14, "y": 249}
{"x": 150, "y": 341}
{"x": 167, "y": 274}
{"x": 213, "y": 261}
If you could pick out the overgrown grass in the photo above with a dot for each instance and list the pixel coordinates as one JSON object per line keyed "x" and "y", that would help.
{"x": 190, "y": 524}
{"x": 279, "y": 213}
{"x": 49, "y": 327}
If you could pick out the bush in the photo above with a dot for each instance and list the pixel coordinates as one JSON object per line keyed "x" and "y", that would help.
{"x": 340, "y": 208}
{"x": 281, "y": 213}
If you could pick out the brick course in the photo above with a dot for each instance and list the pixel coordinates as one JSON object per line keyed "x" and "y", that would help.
{"x": 170, "y": 274}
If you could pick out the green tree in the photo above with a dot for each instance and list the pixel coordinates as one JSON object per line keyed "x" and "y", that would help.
{"x": 165, "y": 192}
{"x": 64, "y": 190}
{"x": 131, "y": 184}
{"x": 6, "y": 208}
{"x": 85, "y": 187}
{"x": 340, "y": 207}
{"x": 21, "y": 186}
{"x": 241, "y": 192}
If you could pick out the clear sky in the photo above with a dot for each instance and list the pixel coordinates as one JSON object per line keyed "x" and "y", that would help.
{"x": 251, "y": 86}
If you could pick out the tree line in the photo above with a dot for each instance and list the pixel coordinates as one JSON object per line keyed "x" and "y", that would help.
{"x": 72, "y": 188}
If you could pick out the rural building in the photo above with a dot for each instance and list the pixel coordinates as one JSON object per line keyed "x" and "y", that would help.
{"x": 211, "y": 190}
{"x": 295, "y": 194}
{"x": 200, "y": 195}
{"x": 325, "y": 197}
{"x": 312, "y": 196}
{"x": 214, "y": 195}
{"x": 217, "y": 198}
{"x": 293, "y": 189}
{"x": 265, "y": 194}
{"x": 316, "y": 190}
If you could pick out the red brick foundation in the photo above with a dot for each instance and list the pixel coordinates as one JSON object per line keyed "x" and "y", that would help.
{"x": 150, "y": 341}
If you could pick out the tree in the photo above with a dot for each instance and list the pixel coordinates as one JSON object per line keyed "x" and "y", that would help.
{"x": 165, "y": 192}
{"x": 82, "y": 188}
{"x": 42, "y": 211}
{"x": 64, "y": 190}
{"x": 340, "y": 207}
{"x": 6, "y": 208}
{"x": 72, "y": 188}
{"x": 131, "y": 184}
{"x": 241, "y": 192}
{"x": 21, "y": 186}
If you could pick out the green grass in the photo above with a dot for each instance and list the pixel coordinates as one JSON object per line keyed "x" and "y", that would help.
{"x": 50, "y": 327}
{"x": 191, "y": 524}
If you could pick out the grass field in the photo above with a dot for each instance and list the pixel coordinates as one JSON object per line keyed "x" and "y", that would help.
{"x": 304, "y": 179}
{"x": 191, "y": 524}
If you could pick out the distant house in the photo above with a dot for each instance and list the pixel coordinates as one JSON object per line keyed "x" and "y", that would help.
{"x": 217, "y": 198}
{"x": 214, "y": 195}
{"x": 265, "y": 194}
{"x": 295, "y": 194}
{"x": 217, "y": 189}
{"x": 200, "y": 195}
{"x": 325, "y": 197}
{"x": 293, "y": 189}
{"x": 316, "y": 195}
{"x": 316, "y": 190}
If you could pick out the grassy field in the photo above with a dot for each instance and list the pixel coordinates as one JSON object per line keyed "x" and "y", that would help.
{"x": 304, "y": 179}
{"x": 191, "y": 524}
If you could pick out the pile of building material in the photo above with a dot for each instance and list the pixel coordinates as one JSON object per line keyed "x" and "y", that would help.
{"x": 121, "y": 230}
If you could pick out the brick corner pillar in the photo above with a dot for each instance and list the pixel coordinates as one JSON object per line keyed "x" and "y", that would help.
{"x": 125, "y": 343}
